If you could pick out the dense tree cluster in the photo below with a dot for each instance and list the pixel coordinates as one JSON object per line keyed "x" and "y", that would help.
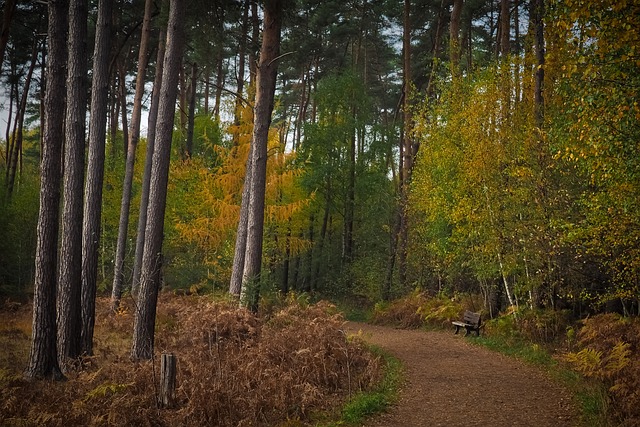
{"x": 360, "y": 148}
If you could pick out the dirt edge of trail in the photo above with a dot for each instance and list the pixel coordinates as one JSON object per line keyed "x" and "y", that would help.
{"x": 451, "y": 382}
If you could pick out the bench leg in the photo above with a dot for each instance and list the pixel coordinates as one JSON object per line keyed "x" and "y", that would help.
{"x": 457, "y": 329}
{"x": 467, "y": 331}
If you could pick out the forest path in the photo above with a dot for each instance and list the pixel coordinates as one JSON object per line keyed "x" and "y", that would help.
{"x": 450, "y": 382}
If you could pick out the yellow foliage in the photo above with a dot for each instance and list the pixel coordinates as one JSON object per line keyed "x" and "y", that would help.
{"x": 209, "y": 214}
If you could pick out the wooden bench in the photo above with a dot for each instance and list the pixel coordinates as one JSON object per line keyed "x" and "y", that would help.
{"x": 470, "y": 322}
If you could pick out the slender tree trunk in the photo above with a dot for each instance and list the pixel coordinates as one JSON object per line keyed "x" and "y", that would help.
{"x": 454, "y": 38}
{"x": 17, "y": 150}
{"x": 505, "y": 30}
{"x": 95, "y": 173}
{"x": 207, "y": 89}
{"x": 322, "y": 238}
{"x": 235, "y": 286}
{"x": 7, "y": 16}
{"x": 254, "y": 46}
{"x": 122, "y": 101}
{"x": 134, "y": 136}
{"x": 145, "y": 314}
{"x": 70, "y": 274}
{"x": 219, "y": 84}
{"x": 265, "y": 90}
{"x": 406, "y": 152}
{"x": 43, "y": 360}
{"x": 146, "y": 179}
{"x": 192, "y": 109}
{"x": 537, "y": 16}
{"x": 9, "y": 147}
{"x": 242, "y": 43}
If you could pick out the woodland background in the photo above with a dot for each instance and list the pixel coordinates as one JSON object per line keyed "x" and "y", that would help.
{"x": 457, "y": 147}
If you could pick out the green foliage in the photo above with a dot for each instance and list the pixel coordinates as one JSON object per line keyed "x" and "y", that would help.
{"x": 18, "y": 221}
{"x": 367, "y": 403}
{"x": 105, "y": 390}
{"x": 595, "y": 128}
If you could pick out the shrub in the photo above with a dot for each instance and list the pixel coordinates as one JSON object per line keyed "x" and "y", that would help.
{"x": 542, "y": 326}
{"x": 403, "y": 313}
{"x": 610, "y": 351}
{"x": 234, "y": 369}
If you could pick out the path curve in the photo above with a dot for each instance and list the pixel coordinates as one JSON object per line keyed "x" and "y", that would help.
{"x": 451, "y": 382}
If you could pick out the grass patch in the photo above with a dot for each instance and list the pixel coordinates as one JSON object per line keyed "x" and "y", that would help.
{"x": 366, "y": 404}
{"x": 590, "y": 396}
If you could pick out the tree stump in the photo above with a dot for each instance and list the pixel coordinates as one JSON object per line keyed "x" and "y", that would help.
{"x": 168, "y": 364}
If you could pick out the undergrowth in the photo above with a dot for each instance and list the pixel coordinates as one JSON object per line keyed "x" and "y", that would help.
{"x": 368, "y": 403}
{"x": 234, "y": 369}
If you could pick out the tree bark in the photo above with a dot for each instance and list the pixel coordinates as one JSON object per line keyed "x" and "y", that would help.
{"x": 70, "y": 274}
{"x": 537, "y": 16}
{"x": 505, "y": 30}
{"x": 406, "y": 152}
{"x": 95, "y": 173}
{"x": 145, "y": 315}
{"x": 43, "y": 360}
{"x": 192, "y": 109}
{"x": 265, "y": 90}
{"x": 7, "y": 16}
{"x": 454, "y": 37}
{"x": 13, "y": 160}
{"x": 235, "y": 285}
{"x": 168, "y": 369}
{"x": 254, "y": 46}
{"x": 146, "y": 178}
{"x": 134, "y": 136}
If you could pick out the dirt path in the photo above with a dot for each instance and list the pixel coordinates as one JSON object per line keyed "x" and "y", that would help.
{"x": 451, "y": 382}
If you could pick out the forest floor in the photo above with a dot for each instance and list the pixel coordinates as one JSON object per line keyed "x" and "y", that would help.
{"x": 451, "y": 382}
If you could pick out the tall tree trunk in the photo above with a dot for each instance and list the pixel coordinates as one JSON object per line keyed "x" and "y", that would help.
{"x": 254, "y": 45}
{"x": 16, "y": 153}
{"x": 43, "y": 360}
{"x": 7, "y": 16}
{"x": 145, "y": 315}
{"x": 219, "y": 85}
{"x": 148, "y": 162}
{"x": 192, "y": 109}
{"x": 134, "y": 136}
{"x": 207, "y": 89}
{"x": 406, "y": 152}
{"x": 437, "y": 40}
{"x": 347, "y": 255}
{"x": 505, "y": 30}
{"x": 70, "y": 274}
{"x": 454, "y": 38}
{"x": 9, "y": 147}
{"x": 537, "y": 16}
{"x": 122, "y": 101}
{"x": 242, "y": 43}
{"x": 95, "y": 173}
{"x": 265, "y": 90}
{"x": 235, "y": 285}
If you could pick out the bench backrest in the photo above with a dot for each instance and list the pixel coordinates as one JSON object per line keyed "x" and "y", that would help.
{"x": 471, "y": 317}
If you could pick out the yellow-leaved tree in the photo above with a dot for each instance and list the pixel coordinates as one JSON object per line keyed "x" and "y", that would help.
{"x": 208, "y": 215}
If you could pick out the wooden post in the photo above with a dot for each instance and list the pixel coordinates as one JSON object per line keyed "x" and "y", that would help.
{"x": 167, "y": 379}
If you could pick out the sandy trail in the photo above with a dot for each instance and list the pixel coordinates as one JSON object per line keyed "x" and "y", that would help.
{"x": 451, "y": 382}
